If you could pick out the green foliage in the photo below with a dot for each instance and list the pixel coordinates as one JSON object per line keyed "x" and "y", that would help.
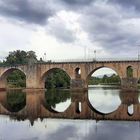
{"x": 113, "y": 79}
{"x": 16, "y": 79}
{"x": 94, "y": 81}
{"x": 57, "y": 79}
{"x": 20, "y": 57}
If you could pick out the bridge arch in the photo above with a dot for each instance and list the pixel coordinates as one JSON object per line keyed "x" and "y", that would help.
{"x": 99, "y": 96}
{"x": 129, "y": 72}
{"x": 100, "y": 112}
{"x": 4, "y": 75}
{"x": 53, "y": 70}
{"x": 54, "y": 98}
{"x": 77, "y": 72}
{"x": 98, "y": 68}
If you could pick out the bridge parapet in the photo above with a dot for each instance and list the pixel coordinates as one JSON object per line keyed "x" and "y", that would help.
{"x": 92, "y": 60}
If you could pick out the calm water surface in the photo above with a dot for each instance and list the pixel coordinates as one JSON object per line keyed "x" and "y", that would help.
{"x": 58, "y": 129}
{"x": 103, "y": 99}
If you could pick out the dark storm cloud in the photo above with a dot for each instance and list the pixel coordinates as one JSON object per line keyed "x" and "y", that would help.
{"x": 78, "y": 2}
{"x": 104, "y": 23}
{"x": 73, "y": 5}
{"x": 110, "y": 27}
{"x": 127, "y": 3}
{"x": 26, "y": 10}
{"x": 63, "y": 34}
{"x": 107, "y": 22}
{"x": 37, "y": 11}
{"x": 58, "y": 28}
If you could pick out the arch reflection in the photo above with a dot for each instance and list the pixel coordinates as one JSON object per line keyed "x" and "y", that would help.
{"x": 57, "y": 100}
{"x": 40, "y": 105}
{"x": 13, "y": 100}
{"x": 103, "y": 99}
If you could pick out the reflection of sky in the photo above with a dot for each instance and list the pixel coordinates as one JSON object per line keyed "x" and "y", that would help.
{"x": 62, "y": 106}
{"x": 59, "y": 129}
{"x": 130, "y": 109}
{"x": 104, "y": 100}
{"x": 139, "y": 95}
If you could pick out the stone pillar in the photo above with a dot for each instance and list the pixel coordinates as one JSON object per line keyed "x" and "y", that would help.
{"x": 3, "y": 83}
{"x": 2, "y": 78}
{"x": 33, "y": 78}
{"x": 129, "y": 84}
{"x": 3, "y": 97}
{"x": 76, "y": 84}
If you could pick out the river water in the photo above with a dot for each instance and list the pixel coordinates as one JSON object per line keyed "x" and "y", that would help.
{"x": 103, "y": 99}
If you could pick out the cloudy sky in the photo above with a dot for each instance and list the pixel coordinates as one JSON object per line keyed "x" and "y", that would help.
{"x": 67, "y": 29}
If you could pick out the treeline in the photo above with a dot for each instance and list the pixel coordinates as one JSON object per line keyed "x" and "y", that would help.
{"x": 113, "y": 79}
{"x": 20, "y": 57}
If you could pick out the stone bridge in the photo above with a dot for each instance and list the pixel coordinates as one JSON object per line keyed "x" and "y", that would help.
{"x": 79, "y": 72}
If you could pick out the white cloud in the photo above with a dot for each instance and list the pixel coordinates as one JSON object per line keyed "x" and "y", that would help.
{"x": 67, "y": 31}
{"x": 12, "y": 37}
{"x": 41, "y": 43}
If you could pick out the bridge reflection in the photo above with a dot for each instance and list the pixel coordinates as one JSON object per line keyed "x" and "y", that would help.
{"x": 35, "y": 104}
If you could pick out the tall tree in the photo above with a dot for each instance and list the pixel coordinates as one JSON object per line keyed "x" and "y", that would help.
{"x": 21, "y": 57}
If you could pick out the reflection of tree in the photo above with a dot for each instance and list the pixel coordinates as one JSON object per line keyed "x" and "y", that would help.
{"x": 16, "y": 100}
{"x": 53, "y": 97}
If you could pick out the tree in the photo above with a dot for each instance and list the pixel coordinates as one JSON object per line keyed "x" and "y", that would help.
{"x": 105, "y": 79}
{"x": 113, "y": 79}
{"x": 57, "y": 79}
{"x": 31, "y": 57}
{"x": 20, "y": 57}
{"x": 16, "y": 79}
